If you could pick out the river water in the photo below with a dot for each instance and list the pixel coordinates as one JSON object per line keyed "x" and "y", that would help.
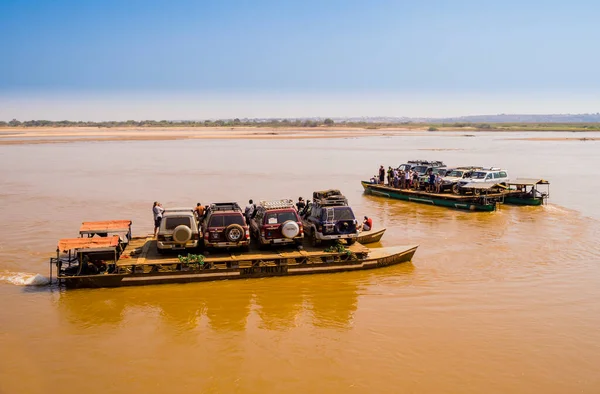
{"x": 497, "y": 302}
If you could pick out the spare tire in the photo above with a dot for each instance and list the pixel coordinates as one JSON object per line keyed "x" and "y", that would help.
{"x": 290, "y": 229}
{"x": 182, "y": 234}
{"x": 234, "y": 233}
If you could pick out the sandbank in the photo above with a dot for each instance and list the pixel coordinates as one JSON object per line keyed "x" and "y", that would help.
{"x": 47, "y": 135}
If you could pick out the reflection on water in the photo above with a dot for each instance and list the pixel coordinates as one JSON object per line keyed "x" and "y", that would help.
{"x": 329, "y": 300}
{"x": 225, "y": 305}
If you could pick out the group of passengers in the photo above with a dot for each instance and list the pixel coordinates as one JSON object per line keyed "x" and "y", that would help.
{"x": 408, "y": 179}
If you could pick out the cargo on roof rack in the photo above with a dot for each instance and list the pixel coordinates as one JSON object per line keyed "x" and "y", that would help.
{"x": 330, "y": 197}
{"x": 277, "y": 204}
{"x": 318, "y": 195}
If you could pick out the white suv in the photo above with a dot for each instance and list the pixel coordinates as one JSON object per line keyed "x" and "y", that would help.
{"x": 491, "y": 175}
{"x": 178, "y": 230}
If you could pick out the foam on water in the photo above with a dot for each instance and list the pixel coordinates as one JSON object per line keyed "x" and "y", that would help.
{"x": 23, "y": 279}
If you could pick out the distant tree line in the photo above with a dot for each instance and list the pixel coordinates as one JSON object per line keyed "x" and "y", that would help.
{"x": 307, "y": 123}
{"x": 171, "y": 123}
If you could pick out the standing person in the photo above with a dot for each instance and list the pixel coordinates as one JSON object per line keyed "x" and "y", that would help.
{"x": 438, "y": 182}
{"x": 415, "y": 180}
{"x": 250, "y": 208}
{"x": 381, "y": 174}
{"x": 199, "y": 211}
{"x": 406, "y": 183}
{"x": 157, "y": 212}
{"x": 300, "y": 205}
{"x": 390, "y": 175}
{"x": 431, "y": 182}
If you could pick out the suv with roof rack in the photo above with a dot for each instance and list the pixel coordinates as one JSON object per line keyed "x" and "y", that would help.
{"x": 484, "y": 175}
{"x": 330, "y": 218}
{"x": 456, "y": 174}
{"x": 224, "y": 226}
{"x": 277, "y": 222}
{"x": 178, "y": 230}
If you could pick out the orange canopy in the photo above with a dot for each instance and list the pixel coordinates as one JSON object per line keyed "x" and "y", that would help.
{"x": 104, "y": 226}
{"x": 88, "y": 243}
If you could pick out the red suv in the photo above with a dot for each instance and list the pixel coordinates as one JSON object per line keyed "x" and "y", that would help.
{"x": 224, "y": 226}
{"x": 277, "y": 223}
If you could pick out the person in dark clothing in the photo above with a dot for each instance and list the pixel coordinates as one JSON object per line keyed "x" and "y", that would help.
{"x": 300, "y": 205}
{"x": 431, "y": 185}
{"x": 381, "y": 175}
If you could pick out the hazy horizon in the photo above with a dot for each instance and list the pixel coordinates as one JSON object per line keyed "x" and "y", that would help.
{"x": 115, "y": 60}
{"x": 79, "y": 107}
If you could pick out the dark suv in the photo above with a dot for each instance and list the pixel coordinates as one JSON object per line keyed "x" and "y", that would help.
{"x": 330, "y": 218}
{"x": 277, "y": 222}
{"x": 224, "y": 226}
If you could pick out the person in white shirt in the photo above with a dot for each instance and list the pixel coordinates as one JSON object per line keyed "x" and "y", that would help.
{"x": 407, "y": 176}
{"x": 249, "y": 211}
{"x": 157, "y": 212}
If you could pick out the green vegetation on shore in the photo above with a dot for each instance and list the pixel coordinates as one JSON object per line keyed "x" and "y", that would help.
{"x": 301, "y": 123}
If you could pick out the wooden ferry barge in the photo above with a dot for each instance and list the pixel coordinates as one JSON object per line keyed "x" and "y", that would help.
{"x": 483, "y": 202}
{"x": 482, "y": 196}
{"x": 114, "y": 261}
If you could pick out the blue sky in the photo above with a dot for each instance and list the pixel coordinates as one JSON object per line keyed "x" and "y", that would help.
{"x": 343, "y": 58}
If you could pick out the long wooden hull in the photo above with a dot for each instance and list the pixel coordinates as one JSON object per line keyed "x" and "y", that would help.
{"x": 255, "y": 267}
{"x": 469, "y": 203}
{"x": 369, "y": 237}
{"x": 516, "y": 200}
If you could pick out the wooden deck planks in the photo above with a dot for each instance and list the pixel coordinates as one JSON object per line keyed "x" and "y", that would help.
{"x": 149, "y": 255}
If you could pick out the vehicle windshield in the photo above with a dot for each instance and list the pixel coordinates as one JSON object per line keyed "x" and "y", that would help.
{"x": 173, "y": 222}
{"x": 440, "y": 171}
{"x": 226, "y": 220}
{"x": 456, "y": 174}
{"x": 279, "y": 217}
{"x": 339, "y": 213}
{"x": 479, "y": 175}
{"x": 420, "y": 169}
{"x": 404, "y": 167}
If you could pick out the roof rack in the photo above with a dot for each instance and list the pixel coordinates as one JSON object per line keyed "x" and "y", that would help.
{"x": 332, "y": 201}
{"x": 224, "y": 206}
{"x": 436, "y": 163}
{"x": 329, "y": 197}
{"x": 468, "y": 168}
{"x": 277, "y": 204}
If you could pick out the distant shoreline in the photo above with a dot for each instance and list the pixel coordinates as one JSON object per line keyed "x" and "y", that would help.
{"x": 48, "y": 135}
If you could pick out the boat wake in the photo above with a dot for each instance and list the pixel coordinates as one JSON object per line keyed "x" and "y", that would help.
{"x": 23, "y": 279}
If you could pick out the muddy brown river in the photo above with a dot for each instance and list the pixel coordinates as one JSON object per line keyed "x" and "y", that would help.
{"x": 497, "y": 302}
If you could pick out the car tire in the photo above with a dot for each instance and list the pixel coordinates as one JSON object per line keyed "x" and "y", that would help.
{"x": 351, "y": 241}
{"x": 455, "y": 188}
{"x": 234, "y": 233}
{"x": 314, "y": 241}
